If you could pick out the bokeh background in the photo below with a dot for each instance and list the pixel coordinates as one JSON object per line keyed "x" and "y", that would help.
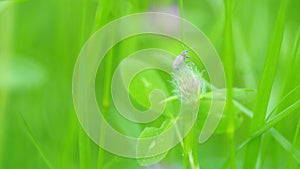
{"x": 41, "y": 40}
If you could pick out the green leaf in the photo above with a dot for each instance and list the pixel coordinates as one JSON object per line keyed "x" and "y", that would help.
{"x": 143, "y": 84}
{"x": 151, "y": 132}
{"x": 121, "y": 124}
{"x": 220, "y": 93}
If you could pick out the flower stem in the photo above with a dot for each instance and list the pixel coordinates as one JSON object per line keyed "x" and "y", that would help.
{"x": 190, "y": 151}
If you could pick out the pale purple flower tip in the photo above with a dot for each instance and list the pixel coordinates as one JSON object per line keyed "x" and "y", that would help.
{"x": 187, "y": 83}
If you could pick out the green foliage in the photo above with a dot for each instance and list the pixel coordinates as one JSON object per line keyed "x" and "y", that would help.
{"x": 258, "y": 42}
{"x": 151, "y": 132}
{"x": 265, "y": 86}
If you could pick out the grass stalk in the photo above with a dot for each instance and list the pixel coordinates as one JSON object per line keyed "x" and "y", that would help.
{"x": 6, "y": 48}
{"x": 100, "y": 18}
{"x": 35, "y": 143}
{"x": 229, "y": 66}
{"x": 265, "y": 87}
{"x": 84, "y": 149}
{"x": 291, "y": 64}
{"x": 68, "y": 142}
{"x": 289, "y": 78}
{"x": 83, "y": 21}
{"x": 84, "y": 145}
{"x": 289, "y": 110}
{"x": 190, "y": 156}
{"x": 100, "y": 15}
{"x": 272, "y": 119}
{"x": 293, "y": 145}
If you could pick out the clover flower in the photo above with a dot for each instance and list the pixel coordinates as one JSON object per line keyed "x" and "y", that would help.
{"x": 186, "y": 80}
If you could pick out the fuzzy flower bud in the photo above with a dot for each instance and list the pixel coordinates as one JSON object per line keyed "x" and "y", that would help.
{"x": 186, "y": 80}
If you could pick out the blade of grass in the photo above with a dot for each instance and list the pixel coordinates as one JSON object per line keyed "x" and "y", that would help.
{"x": 265, "y": 87}
{"x": 229, "y": 66}
{"x": 84, "y": 149}
{"x": 269, "y": 124}
{"x": 35, "y": 142}
{"x": 6, "y": 45}
{"x": 292, "y": 66}
{"x": 101, "y": 17}
{"x": 280, "y": 103}
{"x": 83, "y": 21}
{"x": 244, "y": 109}
{"x": 68, "y": 142}
{"x": 293, "y": 145}
{"x": 97, "y": 20}
{"x": 83, "y": 141}
{"x": 101, "y": 152}
{"x": 283, "y": 100}
{"x": 190, "y": 150}
{"x": 101, "y": 14}
{"x": 292, "y": 63}
{"x": 285, "y": 144}
{"x": 113, "y": 161}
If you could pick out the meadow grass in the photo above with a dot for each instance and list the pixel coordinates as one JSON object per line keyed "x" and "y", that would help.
{"x": 258, "y": 42}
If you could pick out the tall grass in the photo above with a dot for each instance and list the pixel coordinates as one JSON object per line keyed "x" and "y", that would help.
{"x": 6, "y": 47}
{"x": 265, "y": 87}
{"x": 229, "y": 67}
{"x": 257, "y": 42}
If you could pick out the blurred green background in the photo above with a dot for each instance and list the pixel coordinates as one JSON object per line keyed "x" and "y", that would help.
{"x": 40, "y": 42}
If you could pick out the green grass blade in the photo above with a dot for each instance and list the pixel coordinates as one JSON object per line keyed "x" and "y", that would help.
{"x": 84, "y": 149}
{"x": 243, "y": 108}
{"x": 271, "y": 123}
{"x": 190, "y": 150}
{"x": 285, "y": 144}
{"x": 101, "y": 17}
{"x": 113, "y": 161}
{"x": 35, "y": 142}
{"x": 277, "y": 117}
{"x": 83, "y": 8}
{"x": 249, "y": 113}
{"x": 291, "y": 67}
{"x": 268, "y": 125}
{"x": 229, "y": 66}
{"x": 6, "y": 46}
{"x": 265, "y": 87}
{"x": 282, "y": 101}
{"x": 294, "y": 144}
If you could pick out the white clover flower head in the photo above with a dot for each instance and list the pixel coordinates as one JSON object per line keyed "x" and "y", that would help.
{"x": 186, "y": 80}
